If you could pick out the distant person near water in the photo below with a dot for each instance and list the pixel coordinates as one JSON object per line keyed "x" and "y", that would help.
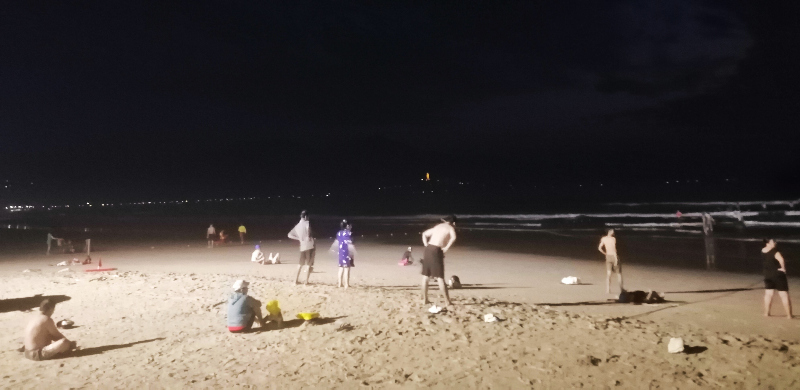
{"x": 437, "y": 241}
{"x": 50, "y": 239}
{"x": 210, "y": 233}
{"x": 775, "y": 278}
{"x": 608, "y": 247}
{"x": 302, "y": 232}
{"x": 708, "y": 224}
{"x": 346, "y": 252}
{"x": 242, "y": 232}
{"x": 243, "y": 309}
{"x": 43, "y": 341}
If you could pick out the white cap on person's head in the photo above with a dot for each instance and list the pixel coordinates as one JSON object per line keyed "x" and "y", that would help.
{"x": 239, "y": 285}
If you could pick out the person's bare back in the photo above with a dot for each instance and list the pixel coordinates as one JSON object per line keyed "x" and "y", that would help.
{"x": 40, "y": 331}
{"x": 609, "y": 243}
{"x": 442, "y": 235}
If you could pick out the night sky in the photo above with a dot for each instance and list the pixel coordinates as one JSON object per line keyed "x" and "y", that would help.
{"x": 125, "y": 101}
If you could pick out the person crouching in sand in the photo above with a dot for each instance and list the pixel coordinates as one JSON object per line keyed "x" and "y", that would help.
{"x": 608, "y": 247}
{"x": 437, "y": 241}
{"x": 42, "y": 340}
{"x": 258, "y": 256}
{"x": 243, "y": 309}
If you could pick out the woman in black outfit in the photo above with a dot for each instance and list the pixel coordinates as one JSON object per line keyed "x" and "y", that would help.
{"x": 775, "y": 278}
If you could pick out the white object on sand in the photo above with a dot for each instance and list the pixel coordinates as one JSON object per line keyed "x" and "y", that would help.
{"x": 65, "y": 270}
{"x": 675, "y": 345}
{"x": 490, "y": 318}
{"x": 275, "y": 259}
{"x": 27, "y": 270}
{"x": 571, "y": 280}
{"x": 435, "y": 309}
{"x": 62, "y": 264}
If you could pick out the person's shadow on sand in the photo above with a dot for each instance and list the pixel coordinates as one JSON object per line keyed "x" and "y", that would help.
{"x": 105, "y": 348}
{"x": 28, "y": 303}
{"x": 294, "y": 324}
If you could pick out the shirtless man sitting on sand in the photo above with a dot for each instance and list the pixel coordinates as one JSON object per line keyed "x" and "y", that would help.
{"x": 42, "y": 340}
{"x": 437, "y": 241}
{"x": 608, "y": 247}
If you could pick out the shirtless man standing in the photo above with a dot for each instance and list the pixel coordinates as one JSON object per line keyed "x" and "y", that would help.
{"x": 608, "y": 247}
{"x": 437, "y": 241}
{"x": 42, "y": 340}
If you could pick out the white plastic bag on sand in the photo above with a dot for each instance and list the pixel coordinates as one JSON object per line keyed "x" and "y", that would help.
{"x": 675, "y": 345}
{"x": 62, "y": 264}
{"x": 490, "y": 318}
{"x": 434, "y": 309}
{"x": 571, "y": 280}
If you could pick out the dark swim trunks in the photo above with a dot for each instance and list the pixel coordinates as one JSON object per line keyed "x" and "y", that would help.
{"x": 433, "y": 263}
{"x": 776, "y": 281}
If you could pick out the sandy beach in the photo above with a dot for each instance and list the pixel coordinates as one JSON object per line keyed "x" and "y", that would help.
{"x": 158, "y": 322}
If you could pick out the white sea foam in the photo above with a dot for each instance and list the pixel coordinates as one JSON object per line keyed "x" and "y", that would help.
{"x": 790, "y": 203}
{"x": 762, "y": 223}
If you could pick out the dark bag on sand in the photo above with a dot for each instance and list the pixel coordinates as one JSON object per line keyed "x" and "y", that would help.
{"x": 624, "y": 297}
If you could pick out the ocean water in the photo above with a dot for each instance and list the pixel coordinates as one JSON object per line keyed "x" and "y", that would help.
{"x": 648, "y": 233}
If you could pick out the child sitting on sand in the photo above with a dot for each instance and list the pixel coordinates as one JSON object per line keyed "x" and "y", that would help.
{"x": 407, "y": 259}
{"x": 258, "y": 255}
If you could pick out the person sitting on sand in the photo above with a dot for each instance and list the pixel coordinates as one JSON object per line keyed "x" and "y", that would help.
{"x": 223, "y": 238}
{"x": 608, "y": 247}
{"x": 407, "y": 258}
{"x": 775, "y": 278}
{"x": 258, "y": 256}
{"x": 243, "y": 309}
{"x": 437, "y": 241}
{"x": 42, "y": 340}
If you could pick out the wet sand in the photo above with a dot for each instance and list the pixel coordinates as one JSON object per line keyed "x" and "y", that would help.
{"x": 159, "y": 320}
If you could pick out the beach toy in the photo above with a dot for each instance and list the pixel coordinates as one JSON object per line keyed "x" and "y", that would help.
{"x": 307, "y": 316}
{"x": 571, "y": 280}
{"x": 100, "y": 267}
{"x": 273, "y": 308}
{"x": 675, "y": 345}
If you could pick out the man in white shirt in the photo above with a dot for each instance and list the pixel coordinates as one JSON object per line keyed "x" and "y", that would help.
{"x": 302, "y": 232}
{"x": 437, "y": 241}
{"x": 210, "y": 233}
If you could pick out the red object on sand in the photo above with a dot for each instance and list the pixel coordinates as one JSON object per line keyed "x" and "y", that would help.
{"x": 100, "y": 267}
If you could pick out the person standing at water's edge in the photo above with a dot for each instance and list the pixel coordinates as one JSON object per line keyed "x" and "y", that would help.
{"x": 437, "y": 241}
{"x": 608, "y": 247}
{"x": 210, "y": 233}
{"x": 242, "y": 232}
{"x": 775, "y": 278}
{"x": 302, "y": 232}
